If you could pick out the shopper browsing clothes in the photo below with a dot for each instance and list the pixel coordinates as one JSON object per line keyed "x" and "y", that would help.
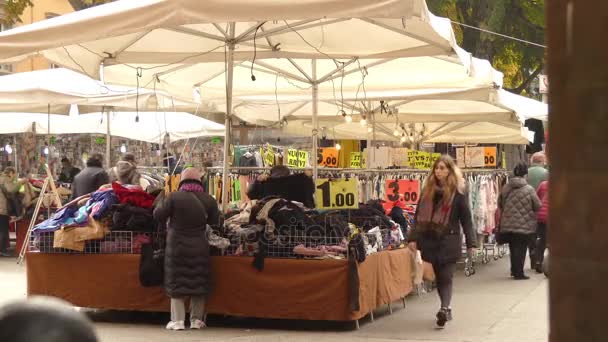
{"x": 518, "y": 203}
{"x": 9, "y": 186}
{"x": 441, "y": 211}
{"x": 125, "y": 171}
{"x": 91, "y": 178}
{"x": 68, "y": 171}
{"x": 187, "y": 264}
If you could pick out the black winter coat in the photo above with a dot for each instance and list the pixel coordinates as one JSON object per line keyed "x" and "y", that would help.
{"x": 447, "y": 248}
{"x": 298, "y": 188}
{"x": 187, "y": 263}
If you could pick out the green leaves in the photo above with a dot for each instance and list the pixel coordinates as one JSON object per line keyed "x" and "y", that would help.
{"x": 523, "y": 19}
{"x": 13, "y": 9}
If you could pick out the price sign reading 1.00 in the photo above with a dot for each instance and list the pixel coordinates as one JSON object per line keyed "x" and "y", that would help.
{"x": 336, "y": 194}
{"x": 406, "y": 190}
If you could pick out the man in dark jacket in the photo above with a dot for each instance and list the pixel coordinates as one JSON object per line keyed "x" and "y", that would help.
{"x": 68, "y": 171}
{"x": 91, "y": 178}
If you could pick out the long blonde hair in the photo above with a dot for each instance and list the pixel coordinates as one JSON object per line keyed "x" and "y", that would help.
{"x": 453, "y": 183}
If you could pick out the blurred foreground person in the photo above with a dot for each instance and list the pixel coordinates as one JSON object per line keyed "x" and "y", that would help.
{"x": 44, "y": 319}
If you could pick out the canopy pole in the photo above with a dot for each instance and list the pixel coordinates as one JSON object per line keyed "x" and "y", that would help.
{"x": 108, "y": 140}
{"x": 315, "y": 121}
{"x": 228, "y": 121}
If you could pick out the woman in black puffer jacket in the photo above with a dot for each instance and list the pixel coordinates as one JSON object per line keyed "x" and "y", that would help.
{"x": 187, "y": 264}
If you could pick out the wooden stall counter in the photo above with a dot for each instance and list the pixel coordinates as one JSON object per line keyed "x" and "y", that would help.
{"x": 285, "y": 289}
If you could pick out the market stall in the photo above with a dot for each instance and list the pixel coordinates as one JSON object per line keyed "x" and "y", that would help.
{"x": 220, "y": 51}
{"x": 287, "y": 288}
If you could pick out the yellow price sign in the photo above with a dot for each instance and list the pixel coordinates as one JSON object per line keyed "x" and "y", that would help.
{"x": 489, "y": 156}
{"x": 434, "y": 158}
{"x": 268, "y": 157}
{"x": 337, "y": 194}
{"x": 302, "y": 159}
{"x": 355, "y": 160}
{"x": 292, "y": 158}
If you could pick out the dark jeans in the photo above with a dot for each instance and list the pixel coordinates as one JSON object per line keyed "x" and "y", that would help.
{"x": 444, "y": 273}
{"x": 532, "y": 249}
{"x": 4, "y": 236}
{"x": 518, "y": 246}
{"x": 541, "y": 243}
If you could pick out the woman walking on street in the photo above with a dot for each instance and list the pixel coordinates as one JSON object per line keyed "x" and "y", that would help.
{"x": 187, "y": 264}
{"x": 442, "y": 209}
{"x": 518, "y": 203}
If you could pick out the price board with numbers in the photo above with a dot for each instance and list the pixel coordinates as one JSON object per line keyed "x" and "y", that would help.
{"x": 355, "y": 160}
{"x": 292, "y": 158}
{"x": 328, "y": 156}
{"x": 407, "y": 191}
{"x": 489, "y": 156}
{"x": 336, "y": 194}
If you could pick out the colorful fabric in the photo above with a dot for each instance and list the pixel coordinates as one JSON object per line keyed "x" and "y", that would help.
{"x": 133, "y": 196}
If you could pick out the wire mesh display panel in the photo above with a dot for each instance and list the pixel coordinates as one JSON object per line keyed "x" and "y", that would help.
{"x": 116, "y": 242}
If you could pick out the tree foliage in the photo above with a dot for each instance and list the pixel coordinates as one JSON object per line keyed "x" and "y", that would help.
{"x": 523, "y": 19}
{"x": 13, "y": 9}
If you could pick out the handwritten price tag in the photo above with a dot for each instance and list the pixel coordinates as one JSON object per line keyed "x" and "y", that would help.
{"x": 292, "y": 158}
{"x": 407, "y": 191}
{"x": 329, "y": 157}
{"x": 336, "y": 194}
{"x": 302, "y": 159}
{"x": 489, "y": 156}
{"x": 355, "y": 160}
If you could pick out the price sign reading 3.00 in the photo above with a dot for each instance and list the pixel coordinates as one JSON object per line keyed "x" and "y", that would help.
{"x": 336, "y": 194}
{"x": 407, "y": 191}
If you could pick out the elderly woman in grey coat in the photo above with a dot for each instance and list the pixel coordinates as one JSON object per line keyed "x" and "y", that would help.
{"x": 518, "y": 203}
{"x": 187, "y": 263}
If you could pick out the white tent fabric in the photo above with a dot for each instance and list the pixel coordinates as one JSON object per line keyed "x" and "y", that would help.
{"x": 213, "y": 48}
{"x": 34, "y": 92}
{"x": 152, "y": 126}
{"x": 495, "y": 113}
{"x": 180, "y": 45}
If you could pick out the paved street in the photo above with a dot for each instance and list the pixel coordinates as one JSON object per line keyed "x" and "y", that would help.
{"x": 488, "y": 307}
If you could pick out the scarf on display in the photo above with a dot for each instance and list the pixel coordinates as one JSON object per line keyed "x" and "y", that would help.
{"x": 191, "y": 186}
{"x": 434, "y": 213}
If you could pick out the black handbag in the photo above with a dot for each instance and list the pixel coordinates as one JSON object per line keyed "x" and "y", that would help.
{"x": 152, "y": 263}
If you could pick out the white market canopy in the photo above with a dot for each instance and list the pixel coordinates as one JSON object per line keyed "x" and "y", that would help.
{"x": 152, "y": 126}
{"x": 381, "y": 46}
{"x": 482, "y": 115}
{"x": 184, "y": 45}
{"x": 56, "y": 90}
{"x": 211, "y": 48}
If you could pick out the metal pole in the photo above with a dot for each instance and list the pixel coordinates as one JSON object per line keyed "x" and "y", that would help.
{"x": 373, "y": 118}
{"x": 315, "y": 121}
{"x": 108, "y": 140}
{"x": 16, "y": 154}
{"x": 228, "y": 121}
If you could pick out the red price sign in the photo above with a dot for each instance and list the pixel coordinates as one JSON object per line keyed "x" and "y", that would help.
{"x": 407, "y": 191}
